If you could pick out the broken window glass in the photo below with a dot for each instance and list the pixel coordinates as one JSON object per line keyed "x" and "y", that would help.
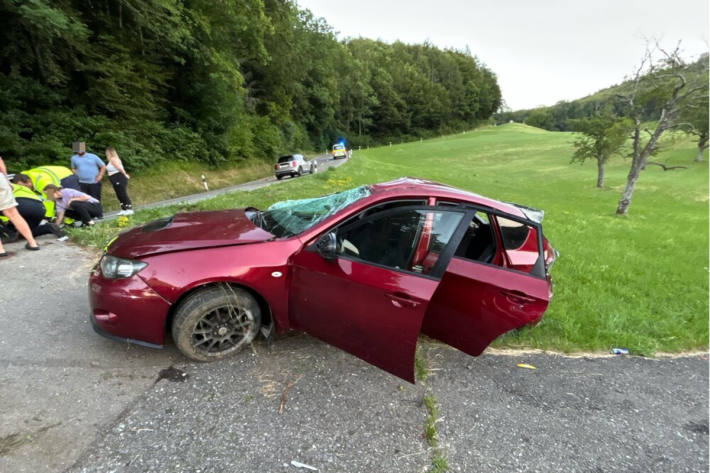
{"x": 291, "y": 217}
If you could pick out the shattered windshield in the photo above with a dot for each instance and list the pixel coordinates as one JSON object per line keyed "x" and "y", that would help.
{"x": 291, "y": 217}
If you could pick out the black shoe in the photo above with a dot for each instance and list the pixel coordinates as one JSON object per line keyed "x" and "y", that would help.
{"x": 56, "y": 231}
{"x": 31, "y": 248}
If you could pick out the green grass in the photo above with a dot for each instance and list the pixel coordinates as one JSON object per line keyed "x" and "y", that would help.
{"x": 159, "y": 182}
{"x": 639, "y": 281}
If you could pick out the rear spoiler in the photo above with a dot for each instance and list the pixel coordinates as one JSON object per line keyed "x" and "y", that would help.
{"x": 530, "y": 213}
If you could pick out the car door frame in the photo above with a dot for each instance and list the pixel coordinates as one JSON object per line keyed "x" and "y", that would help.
{"x": 413, "y": 328}
{"x": 537, "y": 273}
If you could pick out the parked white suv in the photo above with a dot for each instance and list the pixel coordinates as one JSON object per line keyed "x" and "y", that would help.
{"x": 294, "y": 165}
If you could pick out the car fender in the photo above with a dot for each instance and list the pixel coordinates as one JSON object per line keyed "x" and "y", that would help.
{"x": 261, "y": 268}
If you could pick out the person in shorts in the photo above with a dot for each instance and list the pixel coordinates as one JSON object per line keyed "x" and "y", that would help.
{"x": 8, "y": 206}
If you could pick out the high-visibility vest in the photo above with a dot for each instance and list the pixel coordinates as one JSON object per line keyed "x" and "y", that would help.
{"x": 41, "y": 176}
{"x": 23, "y": 192}
{"x": 59, "y": 171}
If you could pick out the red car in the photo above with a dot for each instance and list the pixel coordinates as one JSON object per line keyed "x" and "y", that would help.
{"x": 366, "y": 270}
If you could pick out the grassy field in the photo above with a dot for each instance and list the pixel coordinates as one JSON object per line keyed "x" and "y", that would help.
{"x": 639, "y": 282}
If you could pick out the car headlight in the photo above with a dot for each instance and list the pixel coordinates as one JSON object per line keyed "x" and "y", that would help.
{"x": 118, "y": 268}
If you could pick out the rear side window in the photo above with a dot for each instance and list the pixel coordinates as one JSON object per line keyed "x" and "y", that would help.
{"x": 520, "y": 244}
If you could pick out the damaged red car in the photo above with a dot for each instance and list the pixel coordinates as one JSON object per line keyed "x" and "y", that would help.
{"x": 366, "y": 270}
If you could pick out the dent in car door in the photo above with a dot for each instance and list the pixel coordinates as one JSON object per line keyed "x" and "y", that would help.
{"x": 476, "y": 302}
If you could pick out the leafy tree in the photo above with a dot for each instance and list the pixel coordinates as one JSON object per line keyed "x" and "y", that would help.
{"x": 215, "y": 81}
{"x": 602, "y": 136}
{"x": 540, "y": 119}
{"x": 695, "y": 122}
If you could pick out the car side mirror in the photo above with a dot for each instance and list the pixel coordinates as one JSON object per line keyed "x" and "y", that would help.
{"x": 327, "y": 246}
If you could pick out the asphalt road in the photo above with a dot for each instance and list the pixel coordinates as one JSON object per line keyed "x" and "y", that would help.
{"x": 76, "y": 402}
{"x": 324, "y": 162}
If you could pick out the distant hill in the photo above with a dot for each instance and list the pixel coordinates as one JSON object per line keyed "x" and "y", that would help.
{"x": 556, "y": 117}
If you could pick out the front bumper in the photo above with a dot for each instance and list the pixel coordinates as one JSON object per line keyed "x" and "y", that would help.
{"x": 127, "y": 309}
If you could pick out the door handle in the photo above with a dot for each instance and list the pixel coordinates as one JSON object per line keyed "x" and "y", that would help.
{"x": 400, "y": 299}
{"x": 518, "y": 296}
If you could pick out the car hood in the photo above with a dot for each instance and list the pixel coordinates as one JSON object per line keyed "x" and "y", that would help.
{"x": 187, "y": 231}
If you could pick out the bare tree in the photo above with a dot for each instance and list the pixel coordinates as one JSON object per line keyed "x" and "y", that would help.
{"x": 666, "y": 84}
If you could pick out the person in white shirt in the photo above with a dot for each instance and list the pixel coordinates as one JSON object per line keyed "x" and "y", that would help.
{"x": 8, "y": 207}
{"x": 119, "y": 180}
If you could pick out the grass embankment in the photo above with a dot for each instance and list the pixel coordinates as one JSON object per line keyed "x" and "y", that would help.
{"x": 175, "y": 179}
{"x": 639, "y": 281}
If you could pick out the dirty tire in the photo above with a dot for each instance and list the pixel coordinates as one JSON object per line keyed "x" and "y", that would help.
{"x": 216, "y": 322}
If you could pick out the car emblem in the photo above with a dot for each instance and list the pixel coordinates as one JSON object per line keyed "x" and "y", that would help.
{"x": 277, "y": 274}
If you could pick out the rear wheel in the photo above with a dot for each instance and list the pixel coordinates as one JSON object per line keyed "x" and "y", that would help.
{"x": 300, "y": 171}
{"x": 216, "y": 322}
{"x": 279, "y": 177}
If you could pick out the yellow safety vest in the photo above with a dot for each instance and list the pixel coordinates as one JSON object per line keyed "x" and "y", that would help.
{"x": 23, "y": 192}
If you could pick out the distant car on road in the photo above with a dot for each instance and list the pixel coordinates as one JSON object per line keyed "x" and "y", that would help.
{"x": 339, "y": 151}
{"x": 365, "y": 269}
{"x": 294, "y": 165}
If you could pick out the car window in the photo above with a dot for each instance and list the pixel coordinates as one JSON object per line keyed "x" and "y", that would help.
{"x": 478, "y": 243}
{"x": 520, "y": 243}
{"x": 404, "y": 239}
{"x": 291, "y": 217}
{"x": 285, "y": 159}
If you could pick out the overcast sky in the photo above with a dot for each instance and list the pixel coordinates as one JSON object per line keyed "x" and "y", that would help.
{"x": 542, "y": 51}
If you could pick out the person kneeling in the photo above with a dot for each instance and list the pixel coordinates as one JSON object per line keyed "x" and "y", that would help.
{"x": 74, "y": 204}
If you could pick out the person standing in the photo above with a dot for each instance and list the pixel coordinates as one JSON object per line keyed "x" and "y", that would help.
{"x": 8, "y": 206}
{"x": 119, "y": 180}
{"x": 89, "y": 169}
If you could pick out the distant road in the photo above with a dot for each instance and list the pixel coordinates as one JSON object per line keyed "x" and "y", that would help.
{"x": 324, "y": 162}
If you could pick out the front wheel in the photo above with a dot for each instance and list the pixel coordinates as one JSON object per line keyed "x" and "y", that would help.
{"x": 216, "y": 322}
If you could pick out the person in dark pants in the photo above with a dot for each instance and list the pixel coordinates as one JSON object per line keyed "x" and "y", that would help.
{"x": 31, "y": 207}
{"x": 89, "y": 169}
{"x": 74, "y": 204}
{"x": 119, "y": 180}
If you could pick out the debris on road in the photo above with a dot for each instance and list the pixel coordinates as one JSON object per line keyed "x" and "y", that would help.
{"x": 526, "y": 366}
{"x": 172, "y": 374}
{"x": 303, "y": 465}
{"x": 285, "y": 392}
{"x": 619, "y": 351}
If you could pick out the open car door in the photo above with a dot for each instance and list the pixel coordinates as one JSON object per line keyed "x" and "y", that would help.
{"x": 370, "y": 295}
{"x": 481, "y": 297}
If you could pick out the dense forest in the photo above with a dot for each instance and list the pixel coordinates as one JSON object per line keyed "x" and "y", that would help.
{"x": 563, "y": 115}
{"x": 216, "y": 81}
